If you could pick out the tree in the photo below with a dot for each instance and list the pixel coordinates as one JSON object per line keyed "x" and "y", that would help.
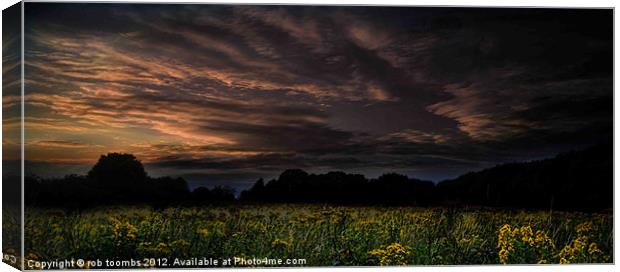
{"x": 118, "y": 170}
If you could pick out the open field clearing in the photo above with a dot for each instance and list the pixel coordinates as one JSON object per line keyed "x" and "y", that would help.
{"x": 322, "y": 235}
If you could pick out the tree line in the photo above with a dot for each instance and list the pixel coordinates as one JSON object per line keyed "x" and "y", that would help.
{"x": 578, "y": 180}
{"x": 118, "y": 179}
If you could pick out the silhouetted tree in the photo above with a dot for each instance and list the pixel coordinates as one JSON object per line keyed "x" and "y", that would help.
{"x": 163, "y": 191}
{"x": 114, "y": 179}
{"x": 295, "y": 185}
{"x": 256, "y": 192}
{"x": 579, "y": 180}
{"x": 117, "y": 169}
{"x": 218, "y": 195}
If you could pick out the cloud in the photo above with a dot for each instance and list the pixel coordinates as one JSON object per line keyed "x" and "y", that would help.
{"x": 416, "y": 136}
{"x": 506, "y": 109}
{"x": 62, "y": 144}
{"x": 368, "y": 36}
{"x": 480, "y": 116}
{"x": 243, "y": 91}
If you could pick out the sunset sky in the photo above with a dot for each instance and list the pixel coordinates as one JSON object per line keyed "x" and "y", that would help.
{"x": 223, "y": 95}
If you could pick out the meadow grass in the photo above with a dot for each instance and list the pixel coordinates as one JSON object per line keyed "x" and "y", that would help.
{"x": 322, "y": 235}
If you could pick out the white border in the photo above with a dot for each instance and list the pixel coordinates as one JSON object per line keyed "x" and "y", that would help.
{"x": 22, "y": 148}
{"x": 463, "y": 3}
{"x": 486, "y": 3}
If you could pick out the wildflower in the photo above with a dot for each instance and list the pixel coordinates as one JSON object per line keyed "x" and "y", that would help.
{"x": 279, "y": 244}
{"x": 464, "y": 241}
{"x": 218, "y": 228}
{"x": 503, "y": 256}
{"x": 394, "y": 254}
{"x": 523, "y": 242}
{"x": 32, "y": 256}
{"x": 585, "y": 227}
{"x": 526, "y": 235}
{"x": 575, "y": 250}
{"x": 504, "y": 243}
{"x": 204, "y": 232}
{"x": 180, "y": 247}
{"x": 179, "y": 243}
{"x": 541, "y": 239}
{"x": 594, "y": 250}
{"x": 162, "y": 248}
{"x": 123, "y": 232}
{"x": 259, "y": 226}
{"x": 144, "y": 246}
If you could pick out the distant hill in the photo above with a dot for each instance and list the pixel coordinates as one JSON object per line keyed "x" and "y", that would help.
{"x": 578, "y": 180}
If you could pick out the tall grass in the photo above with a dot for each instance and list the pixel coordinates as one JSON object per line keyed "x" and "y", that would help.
{"x": 323, "y": 235}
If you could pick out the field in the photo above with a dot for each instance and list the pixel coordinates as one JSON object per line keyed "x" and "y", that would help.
{"x": 322, "y": 235}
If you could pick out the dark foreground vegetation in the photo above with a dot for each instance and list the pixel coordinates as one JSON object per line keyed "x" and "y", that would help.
{"x": 579, "y": 180}
{"x": 320, "y": 235}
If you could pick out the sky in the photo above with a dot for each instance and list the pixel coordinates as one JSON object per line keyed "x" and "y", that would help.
{"x": 224, "y": 95}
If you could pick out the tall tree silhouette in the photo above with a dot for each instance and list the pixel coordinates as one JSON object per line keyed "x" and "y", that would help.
{"x": 117, "y": 169}
{"x": 578, "y": 180}
{"x": 120, "y": 177}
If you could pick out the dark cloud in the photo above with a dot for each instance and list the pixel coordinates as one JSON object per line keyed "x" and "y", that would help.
{"x": 219, "y": 92}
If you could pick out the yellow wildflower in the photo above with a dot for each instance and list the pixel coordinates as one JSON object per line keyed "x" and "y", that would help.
{"x": 279, "y": 244}
{"x": 394, "y": 254}
{"x": 204, "y": 232}
{"x": 594, "y": 250}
